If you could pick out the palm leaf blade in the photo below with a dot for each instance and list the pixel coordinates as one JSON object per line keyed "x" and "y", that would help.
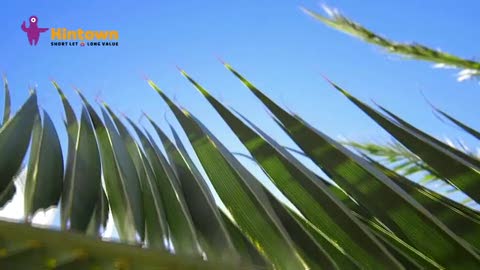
{"x": 377, "y": 194}
{"x": 43, "y": 185}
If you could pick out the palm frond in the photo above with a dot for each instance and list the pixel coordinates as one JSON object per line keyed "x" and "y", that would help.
{"x": 468, "y": 68}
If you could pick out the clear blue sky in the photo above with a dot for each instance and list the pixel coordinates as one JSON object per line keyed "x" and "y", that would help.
{"x": 274, "y": 44}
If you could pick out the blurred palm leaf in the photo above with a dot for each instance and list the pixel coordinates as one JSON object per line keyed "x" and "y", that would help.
{"x": 26, "y": 247}
{"x": 469, "y": 68}
{"x": 396, "y": 156}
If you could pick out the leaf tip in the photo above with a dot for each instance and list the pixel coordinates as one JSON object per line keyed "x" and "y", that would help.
{"x": 145, "y": 76}
{"x": 4, "y": 77}
{"x": 183, "y": 72}
{"x": 144, "y": 114}
{"x": 75, "y": 88}
{"x": 54, "y": 82}
{"x": 154, "y": 86}
{"x": 305, "y": 10}
{"x": 185, "y": 112}
{"x": 341, "y": 90}
{"x": 220, "y": 59}
{"x": 180, "y": 69}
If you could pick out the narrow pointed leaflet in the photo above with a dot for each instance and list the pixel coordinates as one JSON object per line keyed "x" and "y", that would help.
{"x": 44, "y": 181}
{"x": 309, "y": 195}
{"x": 248, "y": 212}
{"x": 374, "y": 190}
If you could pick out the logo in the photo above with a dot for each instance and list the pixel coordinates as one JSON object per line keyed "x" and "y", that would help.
{"x": 63, "y": 37}
{"x": 33, "y": 31}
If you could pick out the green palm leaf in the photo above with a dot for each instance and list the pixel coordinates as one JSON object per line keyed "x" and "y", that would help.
{"x": 83, "y": 178}
{"x": 244, "y": 206}
{"x": 121, "y": 183}
{"x": 9, "y": 192}
{"x": 309, "y": 195}
{"x": 460, "y": 219}
{"x": 468, "y": 159}
{"x": 26, "y": 247}
{"x": 44, "y": 181}
{"x": 199, "y": 200}
{"x": 313, "y": 252}
{"x": 99, "y": 219}
{"x": 245, "y": 248}
{"x": 415, "y": 51}
{"x": 460, "y": 124}
{"x": 458, "y": 171}
{"x": 14, "y": 140}
{"x": 371, "y": 188}
{"x": 156, "y": 227}
{"x": 71, "y": 125}
{"x": 7, "y": 101}
{"x": 182, "y": 231}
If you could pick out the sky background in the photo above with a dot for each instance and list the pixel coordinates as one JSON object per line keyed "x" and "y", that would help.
{"x": 275, "y": 45}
